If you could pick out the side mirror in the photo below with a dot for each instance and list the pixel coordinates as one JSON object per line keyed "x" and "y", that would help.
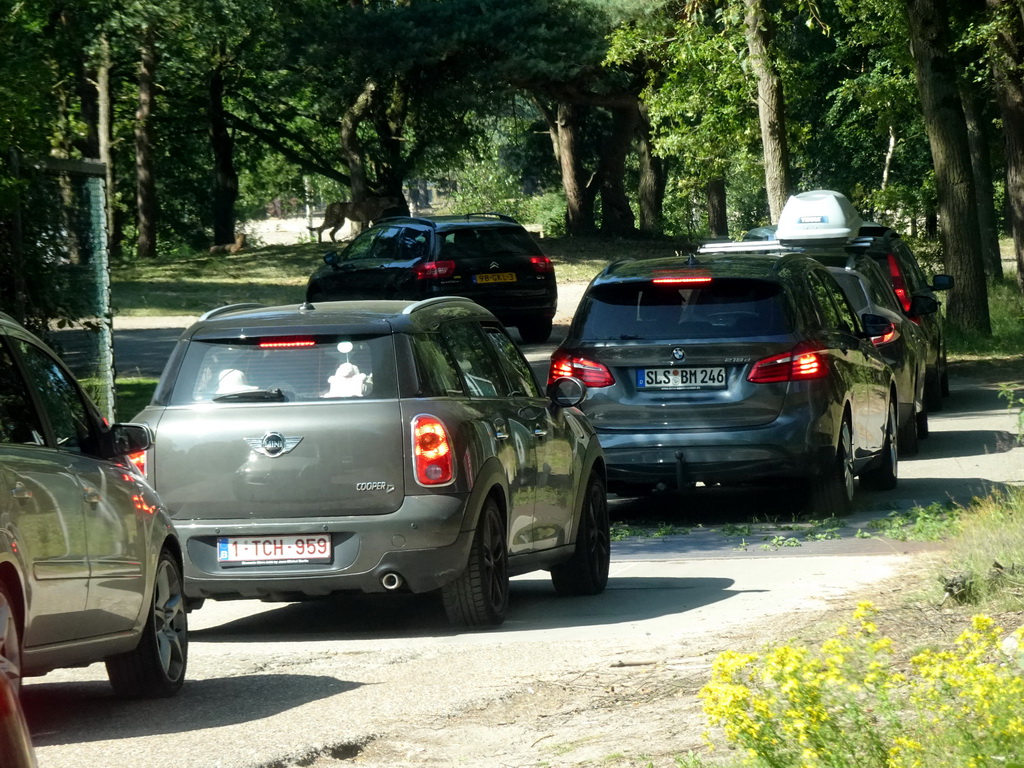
{"x": 877, "y": 327}
{"x": 942, "y": 282}
{"x": 123, "y": 439}
{"x": 567, "y": 392}
{"x": 923, "y": 305}
{"x": 331, "y": 258}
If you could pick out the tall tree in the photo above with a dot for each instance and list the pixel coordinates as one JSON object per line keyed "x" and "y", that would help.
{"x": 145, "y": 178}
{"x": 931, "y": 40}
{"x": 1006, "y": 34}
{"x": 771, "y": 104}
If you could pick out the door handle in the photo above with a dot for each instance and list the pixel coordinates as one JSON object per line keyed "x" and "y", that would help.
{"x": 540, "y": 432}
{"x": 92, "y": 496}
{"x": 500, "y": 430}
{"x": 19, "y": 491}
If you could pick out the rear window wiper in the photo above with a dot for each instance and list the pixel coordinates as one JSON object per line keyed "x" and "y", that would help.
{"x": 255, "y": 395}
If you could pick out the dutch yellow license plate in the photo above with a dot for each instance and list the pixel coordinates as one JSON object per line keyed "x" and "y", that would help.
{"x": 496, "y": 277}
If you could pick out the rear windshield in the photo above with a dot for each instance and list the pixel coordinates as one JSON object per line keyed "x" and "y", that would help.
{"x": 723, "y": 308}
{"x": 286, "y": 369}
{"x": 489, "y": 242}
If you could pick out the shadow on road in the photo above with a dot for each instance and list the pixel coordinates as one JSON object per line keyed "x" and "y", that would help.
{"x": 69, "y": 713}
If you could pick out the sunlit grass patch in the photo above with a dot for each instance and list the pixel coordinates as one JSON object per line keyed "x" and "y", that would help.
{"x": 935, "y": 522}
{"x": 987, "y": 557}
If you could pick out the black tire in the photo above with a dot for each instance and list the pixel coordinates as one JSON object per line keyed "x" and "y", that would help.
{"x": 586, "y": 572}
{"x": 479, "y": 596}
{"x": 831, "y": 492}
{"x": 10, "y": 639}
{"x": 908, "y": 438}
{"x": 535, "y": 331}
{"x": 885, "y": 475}
{"x": 922, "y": 424}
{"x": 156, "y": 668}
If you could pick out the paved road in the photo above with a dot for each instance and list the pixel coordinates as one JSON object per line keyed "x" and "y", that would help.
{"x": 277, "y": 685}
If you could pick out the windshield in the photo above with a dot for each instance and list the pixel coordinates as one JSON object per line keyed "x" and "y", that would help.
{"x": 286, "y": 369}
{"x": 723, "y": 308}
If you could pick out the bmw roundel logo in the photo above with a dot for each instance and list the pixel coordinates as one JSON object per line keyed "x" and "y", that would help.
{"x": 678, "y": 354}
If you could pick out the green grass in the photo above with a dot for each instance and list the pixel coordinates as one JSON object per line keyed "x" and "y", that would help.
{"x": 132, "y": 396}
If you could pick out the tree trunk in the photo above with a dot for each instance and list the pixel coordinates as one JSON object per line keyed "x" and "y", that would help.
{"x": 1008, "y": 58}
{"x": 145, "y": 194}
{"x": 652, "y": 179}
{"x": 104, "y": 120}
{"x": 579, "y": 211}
{"x": 954, "y": 180}
{"x": 718, "y": 222}
{"x": 771, "y": 106}
{"x": 981, "y": 166}
{"x": 617, "y": 219}
{"x": 352, "y": 147}
{"x": 225, "y": 179}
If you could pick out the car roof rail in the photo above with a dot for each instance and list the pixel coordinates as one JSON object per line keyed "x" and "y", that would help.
{"x": 502, "y": 216}
{"x": 423, "y": 303}
{"x": 230, "y": 308}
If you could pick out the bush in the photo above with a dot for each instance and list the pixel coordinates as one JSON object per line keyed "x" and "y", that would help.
{"x": 848, "y": 703}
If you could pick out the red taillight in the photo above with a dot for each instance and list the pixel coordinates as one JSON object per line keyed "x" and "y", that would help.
{"x": 885, "y": 338}
{"x": 432, "y": 451}
{"x": 899, "y": 285}
{"x": 803, "y": 362}
{"x": 589, "y": 372}
{"x": 139, "y": 460}
{"x": 541, "y": 264}
{"x": 285, "y": 342}
{"x": 434, "y": 270}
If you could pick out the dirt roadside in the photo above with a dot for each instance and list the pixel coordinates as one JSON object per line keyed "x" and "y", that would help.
{"x": 637, "y": 706}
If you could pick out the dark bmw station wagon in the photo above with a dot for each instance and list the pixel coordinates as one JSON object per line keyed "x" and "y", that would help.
{"x": 733, "y": 368}
{"x": 374, "y": 446}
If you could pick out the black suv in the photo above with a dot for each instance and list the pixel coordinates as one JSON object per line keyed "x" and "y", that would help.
{"x": 487, "y": 257}
{"x": 916, "y": 296}
{"x": 374, "y": 446}
{"x": 732, "y": 368}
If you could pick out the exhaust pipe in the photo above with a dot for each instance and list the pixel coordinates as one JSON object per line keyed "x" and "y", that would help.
{"x": 391, "y": 581}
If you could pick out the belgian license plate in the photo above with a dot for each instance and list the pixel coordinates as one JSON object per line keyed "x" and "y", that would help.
{"x": 274, "y": 550}
{"x": 680, "y": 378}
{"x": 495, "y": 277}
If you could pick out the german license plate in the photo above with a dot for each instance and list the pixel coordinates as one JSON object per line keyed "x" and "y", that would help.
{"x": 274, "y": 550}
{"x": 680, "y": 378}
{"x": 495, "y": 277}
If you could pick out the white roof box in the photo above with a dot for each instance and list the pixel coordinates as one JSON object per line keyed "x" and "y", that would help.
{"x": 820, "y": 216}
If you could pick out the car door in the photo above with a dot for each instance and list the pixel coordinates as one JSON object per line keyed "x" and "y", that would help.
{"x": 103, "y": 495}
{"x": 859, "y": 365}
{"x": 42, "y": 518}
{"x": 515, "y": 443}
{"x": 380, "y": 264}
{"x": 553, "y": 502}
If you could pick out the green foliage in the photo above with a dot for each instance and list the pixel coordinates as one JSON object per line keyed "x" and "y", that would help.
{"x": 934, "y": 522}
{"x": 548, "y": 212}
{"x": 849, "y": 704}
{"x": 133, "y": 394}
{"x": 1006, "y": 310}
{"x": 623, "y": 531}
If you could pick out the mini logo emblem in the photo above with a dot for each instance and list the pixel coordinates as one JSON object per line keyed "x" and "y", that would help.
{"x": 678, "y": 354}
{"x": 272, "y": 444}
{"x": 375, "y": 485}
{"x": 495, "y": 265}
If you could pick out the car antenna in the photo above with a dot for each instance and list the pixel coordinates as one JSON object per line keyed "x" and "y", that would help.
{"x": 691, "y": 261}
{"x": 306, "y": 306}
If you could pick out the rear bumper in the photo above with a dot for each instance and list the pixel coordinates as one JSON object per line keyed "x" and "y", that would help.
{"x": 786, "y": 450}
{"x": 423, "y": 542}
